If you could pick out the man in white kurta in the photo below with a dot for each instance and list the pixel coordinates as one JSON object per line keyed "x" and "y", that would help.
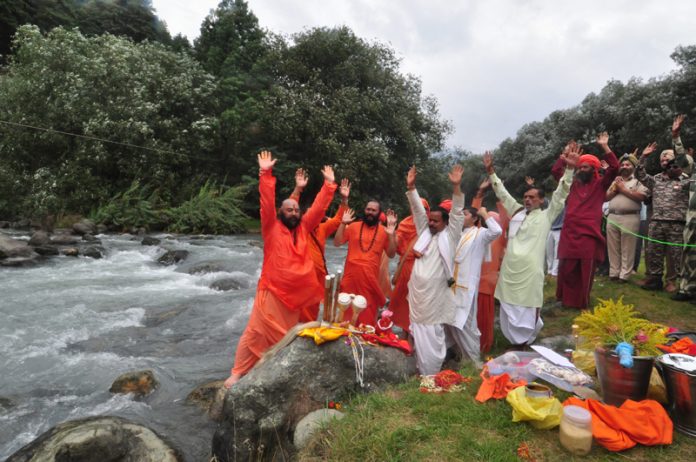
{"x": 473, "y": 247}
{"x": 520, "y": 287}
{"x": 430, "y": 299}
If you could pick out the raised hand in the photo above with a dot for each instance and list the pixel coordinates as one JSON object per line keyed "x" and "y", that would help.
{"x": 529, "y": 180}
{"x": 603, "y": 139}
{"x": 488, "y": 162}
{"x": 266, "y": 161}
{"x": 411, "y": 177}
{"x": 392, "y": 219}
{"x": 328, "y": 173}
{"x": 649, "y": 149}
{"x": 603, "y": 164}
{"x": 485, "y": 184}
{"x": 676, "y": 125}
{"x": 344, "y": 189}
{"x": 483, "y": 212}
{"x": 455, "y": 175}
{"x": 573, "y": 156}
{"x": 301, "y": 179}
{"x": 348, "y": 217}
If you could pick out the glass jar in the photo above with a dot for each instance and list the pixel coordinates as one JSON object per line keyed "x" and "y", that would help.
{"x": 576, "y": 430}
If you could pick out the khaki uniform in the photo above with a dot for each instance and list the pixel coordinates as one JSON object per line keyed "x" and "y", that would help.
{"x": 621, "y": 245}
{"x": 687, "y": 281}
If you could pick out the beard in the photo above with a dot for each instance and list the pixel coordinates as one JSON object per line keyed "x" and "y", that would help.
{"x": 625, "y": 172}
{"x": 371, "y": 220}
{"x": 290, "y": 222}
{"x": 585, "y": 177}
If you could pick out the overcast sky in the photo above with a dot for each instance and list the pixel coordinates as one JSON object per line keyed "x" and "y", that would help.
{"x": 493, "y": 65}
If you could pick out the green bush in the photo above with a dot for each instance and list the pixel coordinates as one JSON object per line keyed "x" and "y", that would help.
{"x": 134, "y": 207}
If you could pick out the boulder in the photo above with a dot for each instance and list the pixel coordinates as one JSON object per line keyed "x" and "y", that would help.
{"x": 19, "y": 262}
{"x": 97, "y": 439}
{"x": 102, "y": 228}
{"x": 205, "y": 267}
{"x": 257, "y": 244}
{"x": 40, "y": 238}
{"x": 149, "y": 240}
{"x": 84, "y": 226}
{"x": 210, "y": 397}
{"x": 228, "y": 284}
{"x": 90, "y": 238}
{"x": 21, "y": 224}
{"x": 172, "y": 257}
{"x": 4, "y": 224}
{"x": 10, "y": 248}
{"x": 262, "y": 410}
{"x": 46, "y": 250}
{"x": 94, "y": 251}
{"x": 140, "y": 383}
{"x": 70, "y": 251}
{"x": 63, "y": 239}
{"x": 6, "y": 404}
{"x": 311, "y": 423}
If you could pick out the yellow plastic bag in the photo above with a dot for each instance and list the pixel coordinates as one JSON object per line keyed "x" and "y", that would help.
{"x": 656, "y": 389}
{"x": 584, "y": 360}
{"x": 542, "y": 413}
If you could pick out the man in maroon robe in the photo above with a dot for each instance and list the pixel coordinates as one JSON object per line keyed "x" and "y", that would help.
{"x": 581, "y": 246}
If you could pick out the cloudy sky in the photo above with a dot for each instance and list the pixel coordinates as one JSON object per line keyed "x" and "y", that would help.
{"x": 493, "y": 65}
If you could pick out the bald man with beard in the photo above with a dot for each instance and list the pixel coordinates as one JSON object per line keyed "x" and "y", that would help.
{"x": 288, "y": 283}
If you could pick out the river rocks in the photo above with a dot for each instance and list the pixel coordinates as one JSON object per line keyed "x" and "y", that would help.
{"x": 47, "y": 250}
{"x": 94, "y": 252}
{"x": 4, "y": 224}
{"x": 172, "y": 257}
{"x": 206, "y": 267}
{"x": 97, "y": 439}
{"x": 40, "y": 238}
{"x": 10, "y": 248}
{"x": 257, "y": 244}
{"x": 140, "y": 383}
{"x": 63, "y": 239}
{"x": 210, "y": 397}
{"x": 70, "y": 251}
{"x": 149, "y": 240}
{"x": 90, "y": 238}
{"x": 84, "y": 226}
{"x": 262, "y": 410}
{"x": 6, "y": 404}
{"x": 311, "y": 423}
{"x": 228, "y": 284}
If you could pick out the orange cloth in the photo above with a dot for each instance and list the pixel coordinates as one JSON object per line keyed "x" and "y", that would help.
{"x": 635, "y": 422}
{"x": 270, "y": 320}
{"x": 389, "y": 339}
{"x": 496, "y": 386}
{"x": 398, "y": 303}
{"x": 361, "y": 275}
{"x": 485, "y": 317}
{"x": 684, "y": 345}
{"x": 384, "y": 278}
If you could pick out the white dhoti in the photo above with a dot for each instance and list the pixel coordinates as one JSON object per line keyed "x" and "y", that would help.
{"x": 431, "y": 348}
{"x": 520, "y": 324}
{"x": 468, "y": 338}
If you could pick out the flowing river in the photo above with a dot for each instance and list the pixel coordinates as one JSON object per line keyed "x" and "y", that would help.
{"x": 72, "y": 325}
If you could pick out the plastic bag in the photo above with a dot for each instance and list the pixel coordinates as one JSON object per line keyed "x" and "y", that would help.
{"x": 656, "y": 388}
{"x": 541, "y": 413}
{"x": 584, "y": 360}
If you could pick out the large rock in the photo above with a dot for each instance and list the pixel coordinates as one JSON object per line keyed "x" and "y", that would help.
{"x": 47, "y": 250}
{"x": 84, "y": 226}
{"x": 173, "y": 257}
{"x": 94, "y": 251}
{"x": 40, "y": 238}
{"x": 64, "y": 239}
{"x": 10, "y": 248}
{"x": 149, "y": 240}
{"x": 210, "y": 397}
{"x": 4, "y": 224}
{"x": 313, "y": 422}
{"x": 70, "y": 251}
{"x": 262, "y": 410}
{"x": 19, "y": 262}
{"x": 228, "y": 284}
{"x": 97, "y": 439}
{"x": 206, "y": 267}
{"x": 90, "y": 238}
{"x": 140, "y": 383}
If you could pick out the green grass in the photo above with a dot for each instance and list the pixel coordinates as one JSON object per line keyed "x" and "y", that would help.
{"x": 403, "y": 424}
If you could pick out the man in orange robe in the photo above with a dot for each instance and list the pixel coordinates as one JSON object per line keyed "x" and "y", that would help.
{"x": 288, "y": 280}
{"x": 367, "y": 240}
{"x": 317, "y": 238}
{"x": 406, "y": 237}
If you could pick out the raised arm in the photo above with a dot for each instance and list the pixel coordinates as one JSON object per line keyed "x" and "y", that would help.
{"x": 301, "y": 179}
{"x": 559, "y": 166}
{"x": 267, "y": 183}
{"x": 510, "y": 204}
{"x": 317, "y": 211}
{"x": 456, "y": 216}
{"x": 420, "y": 217}
{"x": 610, "y": 158}
{"x": 392, "y": 220}
{"x": 561, "y": 193}
{"x": 478, "y": 198}
{"x": 646, "y": 180}
{"x": 332, "y": 224}
{"x": 493, "y": 230}
{"x": 340, "y": 237}
{"x": 682, "y": 157}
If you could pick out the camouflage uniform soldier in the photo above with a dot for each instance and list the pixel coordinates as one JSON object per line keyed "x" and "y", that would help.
{"x": 670, "y": 195}
{"x": 687, "y": 283}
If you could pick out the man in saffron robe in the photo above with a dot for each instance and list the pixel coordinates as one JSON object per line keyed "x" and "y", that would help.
{"x": 582, "y": 244}
{"x": 367, "y": 240}
{"x": 520, "y": 287}
{"x": 406, "y": 237}
{"x": 317, "y": 238}
{"x": 288, "y": 282}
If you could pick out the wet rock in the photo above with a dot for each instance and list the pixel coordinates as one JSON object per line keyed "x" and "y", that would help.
{"x": 10, "y": 248}
{"x": 4, "y": 224}
{"x": 257, "y": 244}
{"x": 102, "y": 228}
{"x": 202, "y": 237}
{"x": 97, "y": 439}
{"x": 19, "y": 262}
{"x": 21, "y": 224}
{"x": 172, "y": 257}
{"x": 90, "y": 238}
{"x": 63, "y": 239}
{"x": 6, "y": 404}
{"x": 95, "y": 252}
{"x": 84, "y": 226}
{"x": 205, "y": 267}
{"x": 140, "y": 383}
{"x": 40, "y": 238}
{"x": 46, "y": 250}
{"x": 262, "y": 410}
{"x": 210, "y": 397}
{"x": 311, "y": 423}
{"x": 70, "y": 251}
{"x": 149, "y": 240}
{"x": 228, "y": 284}
{"x": 156, "y": 319}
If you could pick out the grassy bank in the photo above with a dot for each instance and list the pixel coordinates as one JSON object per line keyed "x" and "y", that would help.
{"x": 402, "y": 424}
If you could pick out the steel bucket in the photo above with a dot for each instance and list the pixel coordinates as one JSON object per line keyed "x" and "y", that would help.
{"x": 620, "y": 383}
{"x": 681, "y": 396}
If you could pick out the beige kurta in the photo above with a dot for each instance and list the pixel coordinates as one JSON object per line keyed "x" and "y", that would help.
{"x": 521, "y": 280}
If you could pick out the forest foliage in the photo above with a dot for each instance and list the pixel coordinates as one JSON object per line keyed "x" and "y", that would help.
{"x": 182, "y": 122}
